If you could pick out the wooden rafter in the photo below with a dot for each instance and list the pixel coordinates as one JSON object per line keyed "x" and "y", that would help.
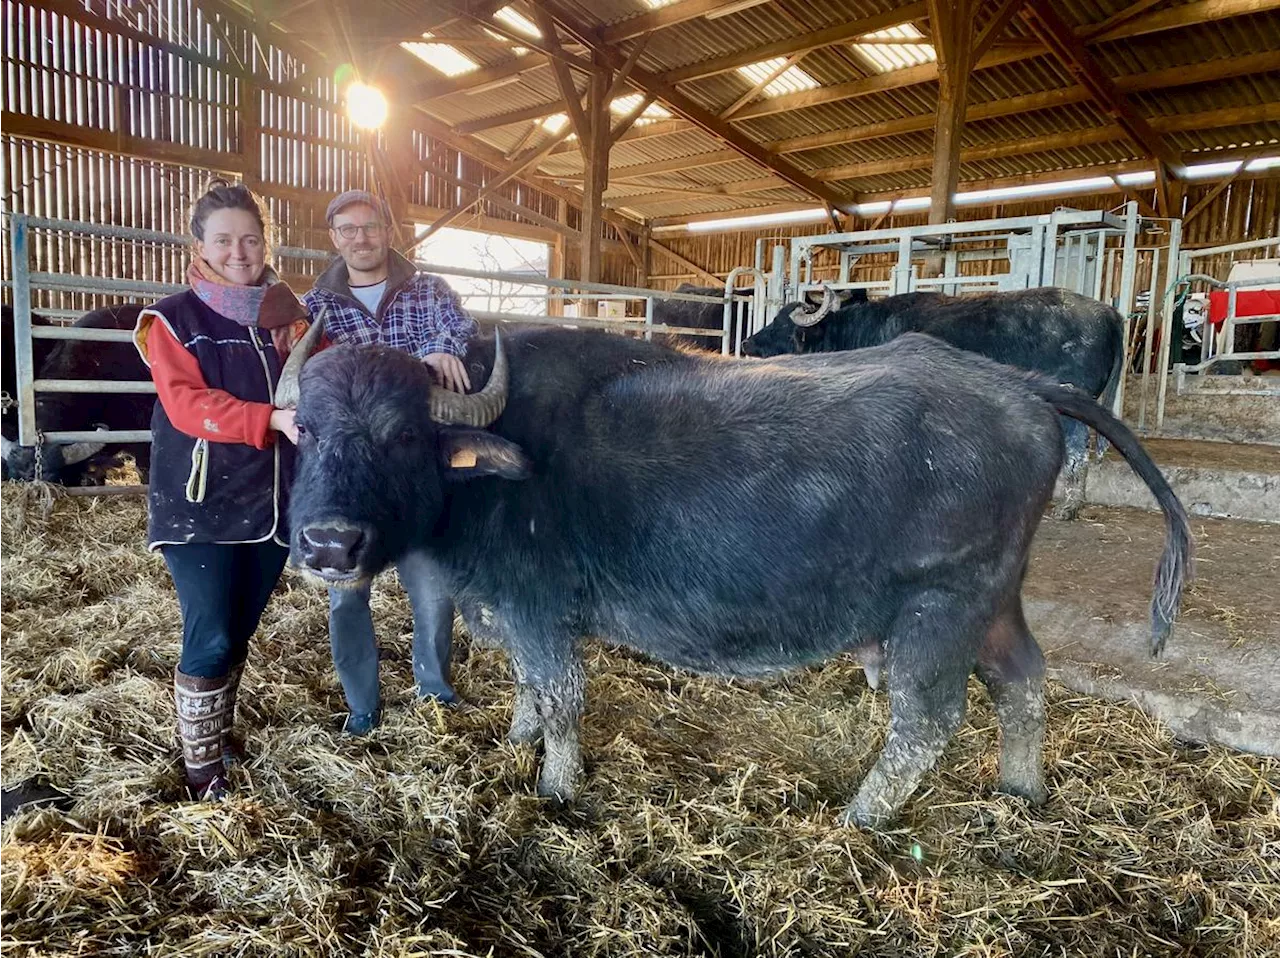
{"x": 994, "y": 27}
{"x": 671, "y": 15}
{"x": 1144, "y": 207}
{"x": 829, "y": 36}
{"x": 569, "y": 93}
{"x": 1056, "y": 34}
{"x": 1156, "y": 80}
{"x": 1217, "y": 191}
{"x": 1191, "y": 13}
{"x": 1119, "y": 17}
{"x": 764, "y": 81}
{"x": 1209, "y": 119}
{"x": 685, "y": 262}
{"x": 649, "y": 83}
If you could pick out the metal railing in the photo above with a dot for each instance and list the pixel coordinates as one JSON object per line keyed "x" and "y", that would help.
{"x": 25, "y": 280}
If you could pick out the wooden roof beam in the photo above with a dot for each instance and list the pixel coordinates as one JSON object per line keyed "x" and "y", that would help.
{"x": 1045, "y": 22}
{"x": 994, "y": 27}
{"x": 1197, "y": 11}
{"x": 1208, "y": 120}
{"x": 1049, "y": 99}
{"x": 671, "y": 15}
{"x": 655, "y": 86}
{"x": 830, "y": 36}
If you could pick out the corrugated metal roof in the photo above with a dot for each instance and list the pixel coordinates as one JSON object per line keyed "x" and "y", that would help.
{"x": 698, "y": 40}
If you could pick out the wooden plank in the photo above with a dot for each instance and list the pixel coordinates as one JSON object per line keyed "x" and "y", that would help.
{"x": 763, "y": 82}
{"x": 685, "y": 262}
{"x": 569, "y": 93}
{"x": 994, "y": 27}
{"x": 143, "y": 148}
{"x": 953, "y": 40}
{"x": 671, "y": 15}
{"x": 1056, "y": 34}
{"x": 1198, "y": 11}
{"x": 650, "y": 83}
{"x": 829, "y": 36}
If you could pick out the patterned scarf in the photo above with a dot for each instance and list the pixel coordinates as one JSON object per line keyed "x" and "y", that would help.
{"x": 270, "y": 305}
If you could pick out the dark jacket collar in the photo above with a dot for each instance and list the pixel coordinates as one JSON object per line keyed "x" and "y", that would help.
{"x": 335, "y": 278}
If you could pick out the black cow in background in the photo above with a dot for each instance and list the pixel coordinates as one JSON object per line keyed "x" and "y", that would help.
{"x": 1070, "y": 338}
{"x": 40, "y": 349}
{"x": 79, "y": 463}
{"x": 731, "y": 518}
{"x": 675, "y": 312}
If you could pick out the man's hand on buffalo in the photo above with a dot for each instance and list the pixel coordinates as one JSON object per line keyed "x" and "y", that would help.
{"x": 448, "y": 371}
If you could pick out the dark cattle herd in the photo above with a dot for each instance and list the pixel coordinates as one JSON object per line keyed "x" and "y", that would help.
{"x": 734, "y": 518}
{"x": 1068, "y": 337}
{"x": 79, "y": 463}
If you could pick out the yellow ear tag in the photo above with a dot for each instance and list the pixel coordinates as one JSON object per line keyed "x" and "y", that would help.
{"x": 463, "y": 459}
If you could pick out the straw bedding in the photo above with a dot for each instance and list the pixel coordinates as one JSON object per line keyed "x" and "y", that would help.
{"x": 706, "y": 826}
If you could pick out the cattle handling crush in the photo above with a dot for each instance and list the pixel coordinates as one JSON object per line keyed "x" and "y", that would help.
{"x": 859, "y": 493}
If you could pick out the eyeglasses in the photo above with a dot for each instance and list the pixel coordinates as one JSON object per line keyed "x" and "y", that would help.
{"x": 349, "y": 230}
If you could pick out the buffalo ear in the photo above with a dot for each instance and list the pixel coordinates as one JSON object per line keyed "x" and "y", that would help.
{"x": 471, "y": 453}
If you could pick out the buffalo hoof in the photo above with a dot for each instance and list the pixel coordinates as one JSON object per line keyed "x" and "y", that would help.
{"x": 558, "y": 782}
{"x": 1067, "y": 510}
{"x": 856, "y": 817}
{"x": 1034, "y": 792}
{"x": 522, "y": 733}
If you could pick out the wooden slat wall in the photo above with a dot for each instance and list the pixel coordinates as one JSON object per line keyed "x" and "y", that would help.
{"x": 159, "y": 82}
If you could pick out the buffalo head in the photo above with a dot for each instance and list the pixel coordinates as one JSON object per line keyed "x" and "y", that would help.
{"x": 800, "y": 327}
{"x": 378, "y": 444}
{"x": 48, "y": 461}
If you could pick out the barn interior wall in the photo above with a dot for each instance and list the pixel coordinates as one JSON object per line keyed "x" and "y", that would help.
{"x": 119, "y": 118}
{"x": 1247, "y": 209}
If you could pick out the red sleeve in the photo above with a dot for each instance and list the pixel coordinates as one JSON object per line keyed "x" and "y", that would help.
{"x": 192, "y": 406}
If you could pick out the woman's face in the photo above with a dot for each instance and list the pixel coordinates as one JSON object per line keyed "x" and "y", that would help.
{"x": 233, "y": 245}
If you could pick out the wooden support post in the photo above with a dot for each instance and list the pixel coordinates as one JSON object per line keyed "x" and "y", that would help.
{"x": 951, "y": 25}
{"x": 402, "y": 168}
{"x": 595, "y": 155}
{"x": 556, "y": 263}
{"x": 249, "y": 134}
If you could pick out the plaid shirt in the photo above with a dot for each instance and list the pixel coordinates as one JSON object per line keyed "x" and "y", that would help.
{"x": 419, "y": 313}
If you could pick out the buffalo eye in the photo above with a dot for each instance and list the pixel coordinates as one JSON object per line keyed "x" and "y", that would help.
{"x": 302, "y": 429}
{"x": 406, "y": 436}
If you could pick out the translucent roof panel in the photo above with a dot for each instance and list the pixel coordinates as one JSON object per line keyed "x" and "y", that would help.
{"x": 518, "y": 21}
{"x": 448, "y": 60}
{"x": 886, "y": 57}
{"x": 791, "y": 80}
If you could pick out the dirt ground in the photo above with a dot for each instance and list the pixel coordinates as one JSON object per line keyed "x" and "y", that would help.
{"x": 1106, "y": 559}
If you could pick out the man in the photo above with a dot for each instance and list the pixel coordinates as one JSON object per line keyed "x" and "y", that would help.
{"x": 372, "y": 294}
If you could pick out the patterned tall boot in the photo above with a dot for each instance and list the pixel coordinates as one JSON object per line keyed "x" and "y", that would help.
{"x": 232, "y": 744}
{"x": 204, "y": 706}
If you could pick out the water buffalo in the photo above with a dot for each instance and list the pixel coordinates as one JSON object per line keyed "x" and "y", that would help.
{"x": 80, "y": 463}
{"x": 1066, "y": 336}
{"x": 675, "y": 312}
{"x": 731, "y": 518}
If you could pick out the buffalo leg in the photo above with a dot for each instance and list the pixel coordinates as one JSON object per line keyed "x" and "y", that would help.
{"x": 526, "y": 723}
{"x": 929, "y": 654}
{"x": 550, "y": 683}
{"x": 1075, "y": 469}
{"x": 1011, "y": 666}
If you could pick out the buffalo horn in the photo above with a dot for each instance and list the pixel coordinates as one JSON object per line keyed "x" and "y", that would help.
{"x": 287, "y": 388}
{"x": 802, "y": 315}
{"x": 477, "y": 409}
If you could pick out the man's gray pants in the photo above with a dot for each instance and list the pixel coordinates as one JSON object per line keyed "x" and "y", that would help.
{"x": 355, "y": 650}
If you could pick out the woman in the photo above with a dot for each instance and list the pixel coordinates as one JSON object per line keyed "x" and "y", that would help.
{"x": 220, "y": 465}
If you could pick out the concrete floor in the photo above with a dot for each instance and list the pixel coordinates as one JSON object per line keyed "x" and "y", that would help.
{"x": 1087, "y": 598}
